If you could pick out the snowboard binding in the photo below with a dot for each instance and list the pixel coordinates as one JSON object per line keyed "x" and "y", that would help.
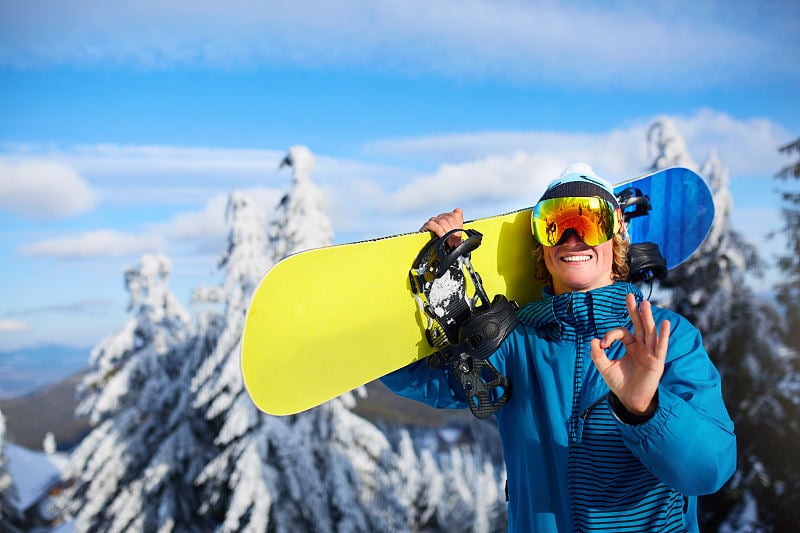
{"x": 634, "y": 203}
{"x": 645, "y": 259}
{"x": 465, "y": 329}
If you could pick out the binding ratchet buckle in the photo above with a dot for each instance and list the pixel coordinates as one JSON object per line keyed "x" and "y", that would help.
{"x": 465, "y": 329}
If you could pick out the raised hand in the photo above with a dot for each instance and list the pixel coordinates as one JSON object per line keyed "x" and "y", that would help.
{"x": 634, "y": 377}
{"x": 445, "y": 222}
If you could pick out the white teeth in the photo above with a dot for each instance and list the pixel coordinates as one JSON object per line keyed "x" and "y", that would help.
{"x": 576, "y": 258}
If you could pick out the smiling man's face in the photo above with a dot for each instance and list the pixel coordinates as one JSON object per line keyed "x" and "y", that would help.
{"x": 576, "y": 266}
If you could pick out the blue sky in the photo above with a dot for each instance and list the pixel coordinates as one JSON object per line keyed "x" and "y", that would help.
{"x": 124, "y": 125}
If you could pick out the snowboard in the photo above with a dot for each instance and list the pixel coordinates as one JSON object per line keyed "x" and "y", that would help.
{"x": 325, "y": 321}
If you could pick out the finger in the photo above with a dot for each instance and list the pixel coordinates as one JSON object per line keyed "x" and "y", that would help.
{"x": 663, "y": 341}
{"x": 452, "y": 220}
{"x": 636, "y": 318}
{"x": 445, "y": 222}
{"x": 649, "y": 325}
{"x": 455, "y": 220}
{"x": 438, "y": 225}
{"x": 598, "y": 355}
{"x": 617, "y": 334}
{"x": 434, "y": 226}
{"x": 454, "y": 240}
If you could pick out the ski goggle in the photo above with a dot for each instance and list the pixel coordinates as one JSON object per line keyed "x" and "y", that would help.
{"x": 593, "y": 219}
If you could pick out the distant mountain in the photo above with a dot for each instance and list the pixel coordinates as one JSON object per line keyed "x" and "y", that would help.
{"x": 29, "y": 369}
{"x": 50, "y": 409}
{"x": 383, "y": 406}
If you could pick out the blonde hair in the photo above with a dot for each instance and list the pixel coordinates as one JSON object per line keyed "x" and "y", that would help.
{"x": 620, "y": 269}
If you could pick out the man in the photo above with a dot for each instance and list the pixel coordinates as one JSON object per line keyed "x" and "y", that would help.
{"x": 615, "y": 423}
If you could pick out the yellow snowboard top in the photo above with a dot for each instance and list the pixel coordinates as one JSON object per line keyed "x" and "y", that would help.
{"x": 326, "y": 321}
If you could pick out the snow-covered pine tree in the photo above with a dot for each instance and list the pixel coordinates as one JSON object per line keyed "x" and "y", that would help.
{"x": 711, "y": 281}
{"x": 666, "y": 147}
{"x": 301, "y": 222}
{"x": 418, "y": 480}
{"x": 487, "y": 476}
{"x": 323, "y": 470}
{"x": 788, "y": 289}
{"x": 218, "y": 384}
{"x": 134, "y": 471}
{"x": 7, "y": 489}
{"x": 451, "y": 478}
{"x": 711, "y": 290}
{"x": 235, "y": 477}
{"x": 471, "y": 499}
{"x": 770, "y": 485}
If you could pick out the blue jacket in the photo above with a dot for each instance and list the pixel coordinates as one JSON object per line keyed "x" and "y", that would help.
{"x": 572, "y": 463}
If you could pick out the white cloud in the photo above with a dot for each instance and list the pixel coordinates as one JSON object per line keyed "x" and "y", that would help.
{"x": 13, "y": 326}
{"x": 126, "y": 175}
{"x": 176, "y": 175}
{"x": 616, "y": 151}
{"x": 206, "y": 230}
{"x": 492, "y": 172}
{"x": 154, "y": 162}
{"x": 41, "y": 190}
{"x": 498, "y": 171}
{"x": 565, "y": 43}
{"x": 486, "y": 172}
{"x": 497, "y": 178}
{"x": 197, "y": 226}
{"x": 749, "y": 147}
{"x": 503, "y": 166}
{"x": 96, "y": 243}
{"x": 196, "y": 181}
{"x": 90, "y": 306}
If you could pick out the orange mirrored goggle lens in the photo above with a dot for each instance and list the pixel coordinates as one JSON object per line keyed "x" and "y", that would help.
{"x": 593, "y": 219}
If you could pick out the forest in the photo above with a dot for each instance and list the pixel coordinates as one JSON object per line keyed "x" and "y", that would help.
{"x": 176, "y": 445}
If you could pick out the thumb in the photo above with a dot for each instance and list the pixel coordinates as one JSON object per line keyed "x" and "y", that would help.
{"x": 598, "y": 355}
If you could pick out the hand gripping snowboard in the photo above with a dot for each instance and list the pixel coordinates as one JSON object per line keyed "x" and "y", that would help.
{"x": 463, "y": 324}
{"x": 325, "y": 321}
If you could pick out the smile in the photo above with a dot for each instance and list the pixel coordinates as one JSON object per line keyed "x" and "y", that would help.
{"x": 576, "y": 258}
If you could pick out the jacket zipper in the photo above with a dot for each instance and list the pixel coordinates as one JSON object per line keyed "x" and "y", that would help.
{"x": 585, "y": 415}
